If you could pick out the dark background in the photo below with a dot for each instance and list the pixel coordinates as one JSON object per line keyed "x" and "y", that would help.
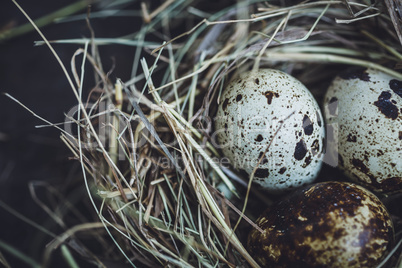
{"x": 29, "y": 154}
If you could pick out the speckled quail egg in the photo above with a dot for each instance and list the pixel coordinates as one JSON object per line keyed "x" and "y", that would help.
{"x": 363, "y": 110}
{"x": 330, "y": 224}
{"x": 252, "y": 109}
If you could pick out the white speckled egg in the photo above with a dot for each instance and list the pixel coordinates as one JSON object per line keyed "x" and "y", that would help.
{"x": 330, "y": 224}
{"x": 252, "y": 108}
{"x": 363, "y": 109}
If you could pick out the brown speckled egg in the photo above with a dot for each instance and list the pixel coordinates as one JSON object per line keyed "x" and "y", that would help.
{"x": 253, "y": 107}
{"x": 330, "y": 224}
{"x": 363, "y": 110}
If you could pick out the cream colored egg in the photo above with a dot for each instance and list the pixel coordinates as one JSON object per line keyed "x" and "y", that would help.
{"x": 363, "y": 110}
{"x": 252, "y": 108}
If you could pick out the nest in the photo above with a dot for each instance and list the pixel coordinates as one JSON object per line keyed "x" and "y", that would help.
{"x": 150, "y": 164}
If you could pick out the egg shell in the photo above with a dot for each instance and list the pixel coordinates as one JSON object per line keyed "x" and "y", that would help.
{"x": 330, "y": 224}
{"x": 363, "y": 111}
{"x": 253, "y": 106}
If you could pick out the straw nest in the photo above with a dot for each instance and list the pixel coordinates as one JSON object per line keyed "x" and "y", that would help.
{"x": 150, "y": 165}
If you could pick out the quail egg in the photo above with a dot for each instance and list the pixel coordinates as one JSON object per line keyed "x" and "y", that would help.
{"x": 330, "y": 224}
{"x": 269, "y": 117}
{"x": 363, "y": 110}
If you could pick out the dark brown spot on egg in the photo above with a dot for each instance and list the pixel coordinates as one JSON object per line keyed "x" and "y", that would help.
{"x": 392, "y": 184}
{"x": 225, "y": 104}
{"x": 315, "y": 147}
{"x": 257, "y": 81}
{"x": 359, "y": 165}
{"x": 300, "y": 150}
{"x": 385, "y": 105}
{"x": 270, "y": 95}
{"x": 339, "y": 233}
{"x": 307, "y": 125}
{"x": 355, "y": 73}
{"x": 396, "y": 86}
{"x": 282, "y": 170}
{"x": 261, "y": 173}
{"x": 351, "y": 138}
{"x": 239, "y": 97}
{"x": 307, "y": 161}
{"x": 400, "y": 135}
{"x": 366, "y": 156}
{"x": 259, "y": 138}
